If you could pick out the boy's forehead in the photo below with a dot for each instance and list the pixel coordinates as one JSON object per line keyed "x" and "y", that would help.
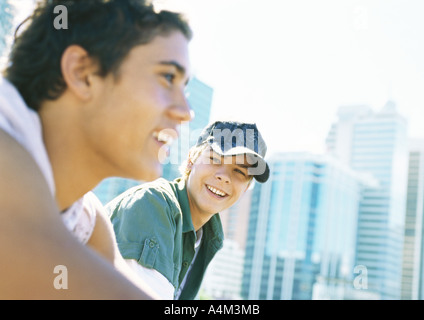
{"x": 171, "y": 50}
{"x": 240, "y": 159}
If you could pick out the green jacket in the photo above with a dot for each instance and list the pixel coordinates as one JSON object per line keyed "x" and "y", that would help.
{"x": 153, "y": 225}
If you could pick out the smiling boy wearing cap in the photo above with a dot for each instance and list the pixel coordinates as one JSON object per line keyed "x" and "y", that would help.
{"x": 169, "y": 231}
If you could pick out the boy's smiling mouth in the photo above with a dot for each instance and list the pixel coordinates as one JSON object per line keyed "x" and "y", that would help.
{"x": 216, "y": 191}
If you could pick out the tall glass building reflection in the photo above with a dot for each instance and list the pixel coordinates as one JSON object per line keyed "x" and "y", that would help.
{"x": 412, "y": 268}
{"x": 376, "y": 143}
{"x": 302, "y": 230}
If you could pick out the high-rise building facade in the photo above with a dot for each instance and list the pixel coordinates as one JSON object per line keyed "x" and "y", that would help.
{"x": 302, "y": 229}
{"x": 376, "y": 143}
{"x": 223, "y": 278}
{"x": 412, "y": 268}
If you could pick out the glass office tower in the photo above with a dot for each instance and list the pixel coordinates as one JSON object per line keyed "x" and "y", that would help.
{"x": 376, "y": 143}
{"x": 302, "y": 230}
{"x": 412, "y": 268}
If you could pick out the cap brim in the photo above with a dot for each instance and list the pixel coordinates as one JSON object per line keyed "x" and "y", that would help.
{"x": 259, "y": 169}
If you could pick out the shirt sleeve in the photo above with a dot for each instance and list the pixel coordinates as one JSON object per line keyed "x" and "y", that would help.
{"x": 154, "y": 279}
{"x": 145, "y": 227}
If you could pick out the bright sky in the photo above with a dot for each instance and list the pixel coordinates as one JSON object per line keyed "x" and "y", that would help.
{"x": 288, "y": 65}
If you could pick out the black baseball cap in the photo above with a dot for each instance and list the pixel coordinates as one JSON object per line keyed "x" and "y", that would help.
{"x": 232, "y": 138}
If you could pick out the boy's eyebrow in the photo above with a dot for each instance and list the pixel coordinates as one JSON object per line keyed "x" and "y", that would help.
{"x": 241, "y": 165}
{"x": 181, "y": 70}
{"x": 177, "y": 65}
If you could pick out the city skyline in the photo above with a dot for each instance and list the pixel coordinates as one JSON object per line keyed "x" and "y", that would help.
{"x": 332, "y": 226}
{"x": 296, "y": 113}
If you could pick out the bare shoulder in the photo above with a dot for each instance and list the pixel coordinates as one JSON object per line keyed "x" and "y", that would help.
{"x": 34, "y": 240}
{"x": 27, "y": 211}
{"x": 23, "y": 189}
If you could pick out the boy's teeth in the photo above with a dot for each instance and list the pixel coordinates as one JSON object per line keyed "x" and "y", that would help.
{"x": 219, "y": 193}
{"x": 163, "y": 137}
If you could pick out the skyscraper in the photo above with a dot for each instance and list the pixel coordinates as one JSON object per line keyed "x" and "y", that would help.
{"x": 302, "y": 227}
{"x": 376, "y": 143}
{"x": 223, "y": 277}
{"x": 412, "y": 268}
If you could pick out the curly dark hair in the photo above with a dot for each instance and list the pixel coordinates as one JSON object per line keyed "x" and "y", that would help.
{"x": 106, "y": 29}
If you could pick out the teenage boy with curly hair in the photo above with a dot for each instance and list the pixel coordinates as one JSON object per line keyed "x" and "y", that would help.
{"x": 78, "y": 105}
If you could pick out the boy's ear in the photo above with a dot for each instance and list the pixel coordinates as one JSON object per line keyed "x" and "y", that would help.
{"x": 78, "y": 69}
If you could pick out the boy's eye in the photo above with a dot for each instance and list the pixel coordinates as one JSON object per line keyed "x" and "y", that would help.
{"x": 215, "y": 160}
{"x": 241, "y": 172}
{"x": 170, "y": 77}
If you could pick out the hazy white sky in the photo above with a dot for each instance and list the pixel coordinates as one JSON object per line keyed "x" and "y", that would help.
{"x": 288, "y": 65}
